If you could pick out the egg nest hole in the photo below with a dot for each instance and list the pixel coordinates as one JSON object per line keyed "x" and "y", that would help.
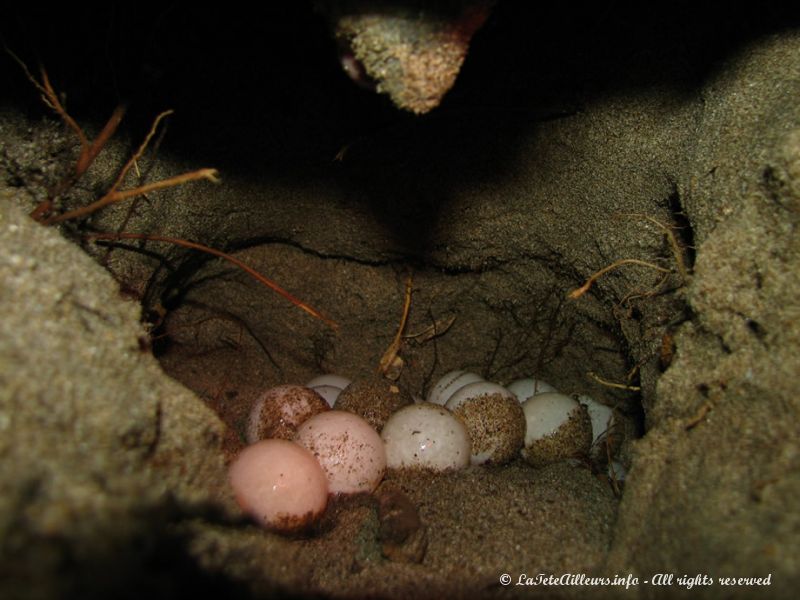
{"x": 547, "y": 217}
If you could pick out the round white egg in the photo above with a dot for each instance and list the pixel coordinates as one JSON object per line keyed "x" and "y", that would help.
{"x": 449, "y": 383}
{"x": 328, "y": 392}
{"x": 557, "y": 428}
{"x": 607, "y": 431}
{"x": 602, "y": 416}
{"x": 529, "y": 387}
{"x": 426, "y": 436}
{"x": 336, "y": 381}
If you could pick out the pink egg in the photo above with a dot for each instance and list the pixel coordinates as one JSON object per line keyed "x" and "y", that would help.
{"x": 350, "y": 451}
{"x": 280, "y": 484}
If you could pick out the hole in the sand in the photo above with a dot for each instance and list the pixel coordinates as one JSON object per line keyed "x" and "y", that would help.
{"x": 540, "y": 224}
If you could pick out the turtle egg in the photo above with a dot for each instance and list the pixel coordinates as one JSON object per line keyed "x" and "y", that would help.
{"x": 280, "y": 484}
{"x": 329, "y": 379}
{"x": 449, "y": 383}
{"x": 280, "y": 411}
{"x": 426, "y": 436}
{"x": 494, "y": 419}
{"x": 606, "y": 439}
{"x": 528, "y": 387}
{"x": 329, "y": 386}
{"x": 349, "y": 450}
{"x": 374, "y": 399}
{"x": 329, "y": 393}
{"x": 557, "y": 428}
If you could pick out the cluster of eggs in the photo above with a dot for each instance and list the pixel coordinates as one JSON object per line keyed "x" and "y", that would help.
{"x": 332, "y": 436}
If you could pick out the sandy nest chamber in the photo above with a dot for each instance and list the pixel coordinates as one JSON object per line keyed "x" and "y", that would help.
{"x": 662, "y": 142}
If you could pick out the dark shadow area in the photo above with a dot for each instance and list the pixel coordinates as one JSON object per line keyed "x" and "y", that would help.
{"x": 152, "y": 559}
{"x": 263, "y": 96}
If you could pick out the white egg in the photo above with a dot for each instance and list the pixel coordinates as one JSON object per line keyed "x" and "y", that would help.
{"x": 602, "y": 416}
{"x": 336, "y": 381}
{"x": 449, "y": 383}
{"x": 606, "y": 434}
{"x": 328, "y": 392}
{"x": 426, "y": 436}
{"x": 557, "y": 428}
{"x": 528, "y": 387}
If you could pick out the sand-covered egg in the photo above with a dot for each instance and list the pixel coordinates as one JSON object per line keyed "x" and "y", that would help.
{"x": 349, "y": 450}
{"x": 494, "y": 419}
{"x": 280, "y": 484}
{"x": 426, "y": 436}
{"x": 449, "y": 383}
{"x": 528, "y": 387}
{"x": 557, "y": 428}
{"x": 279, "y": 411}
{"x": 329, "y": 386}
{"x": 374, "y": 399}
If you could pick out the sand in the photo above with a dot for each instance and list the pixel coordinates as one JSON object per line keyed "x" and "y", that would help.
{"x": 577, "y": 141}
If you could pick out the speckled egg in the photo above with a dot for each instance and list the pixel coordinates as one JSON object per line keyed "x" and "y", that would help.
{"x": 557, "y": 428}
{"x": 494, "y": 419}
{"x": 374, "y": 399}
{"x": 349, "y": 450}
{"x": 426, "y": 436}
{"x": 449, "y": 383}
{"x": 279, "y": 411}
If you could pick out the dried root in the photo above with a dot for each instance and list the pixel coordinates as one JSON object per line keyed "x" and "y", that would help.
{"x": 577, "y": 293}
{"x": 391, "y": 364}
{"x": 677, "y": 253}
{"x": 43, "y": 213}
{"x": 231, "y": 259}
{"x": 115, "y": 195}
